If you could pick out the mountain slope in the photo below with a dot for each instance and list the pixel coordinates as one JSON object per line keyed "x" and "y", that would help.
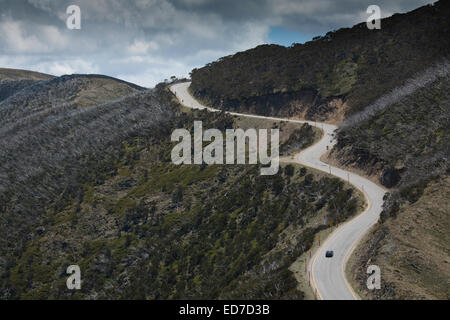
{"x": 13, "y": 80}
{"x": 66, "y": 91}
{"x": 411, "y": 249}
{"x": 393, "y": 100}
{"x": 17, "y": 74}
{"x": 405, "y": 142}
{"x": 49, "y": 153}
{"x": 331, "y": 77}
{"x": 406, "y": 146}
{"x": 95, "y": 187}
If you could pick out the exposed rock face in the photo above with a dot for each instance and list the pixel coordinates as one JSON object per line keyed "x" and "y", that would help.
{"x": 304, "y": 103}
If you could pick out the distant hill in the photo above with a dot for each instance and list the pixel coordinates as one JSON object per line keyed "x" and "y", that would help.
{"x": 80, "y": 90}
{"x": 83, "y": 89}
{"x": 17, "y": 74}
{"x": 331, "y": 77}
{"x": 14, "y": 80}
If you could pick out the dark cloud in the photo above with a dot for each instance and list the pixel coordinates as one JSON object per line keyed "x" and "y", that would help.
{"x": 146, "y": 41}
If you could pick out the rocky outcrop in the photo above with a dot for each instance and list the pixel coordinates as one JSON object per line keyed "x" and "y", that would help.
{"x": 305, "y": 103}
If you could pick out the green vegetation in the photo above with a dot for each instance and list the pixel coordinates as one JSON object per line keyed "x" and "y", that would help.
{"x": 218, "y": 240}
{"x": 143, "y": 228}
{"x": 405, "y": 145}
{"x": 353, "y": 65}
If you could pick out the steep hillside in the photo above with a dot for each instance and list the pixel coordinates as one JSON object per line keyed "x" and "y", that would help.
{"x": 96, "y": 187}
{"x": 49, "y": 154}
{"x": 13, "y": 80}
{"x": 406, "y": 147}
{"x": 63, "y": 92}
{"x": 403, "y": 145}
{"x": 331, "y": 77}
{"x": 411, "y": 249}
{"x": 17, "y": 74}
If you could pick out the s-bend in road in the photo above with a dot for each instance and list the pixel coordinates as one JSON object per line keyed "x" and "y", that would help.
{"x": 328, "y": 277}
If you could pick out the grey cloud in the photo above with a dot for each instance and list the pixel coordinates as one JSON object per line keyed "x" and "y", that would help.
{"x": 149, "y": 40}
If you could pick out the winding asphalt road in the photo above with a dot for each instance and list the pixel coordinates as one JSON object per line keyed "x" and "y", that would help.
{"x": 327, "y": 274}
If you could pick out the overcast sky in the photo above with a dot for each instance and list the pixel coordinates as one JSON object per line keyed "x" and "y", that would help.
{"x": 146, "y": 41}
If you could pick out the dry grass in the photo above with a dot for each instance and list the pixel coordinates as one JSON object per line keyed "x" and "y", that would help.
{"x": 15, "y": 74}
{"x": 99, "y": 90}
{"x": 411, "y": 249}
